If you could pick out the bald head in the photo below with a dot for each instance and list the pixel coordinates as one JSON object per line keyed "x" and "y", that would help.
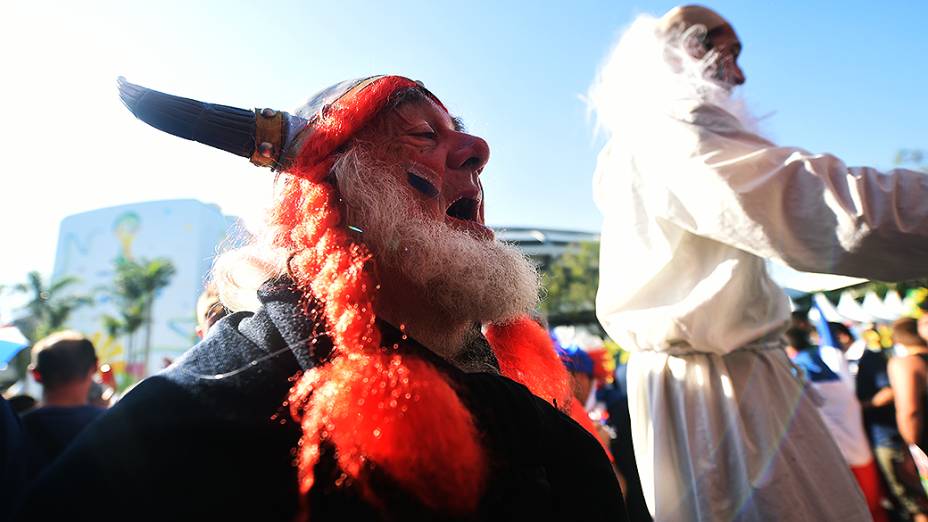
{"x": 685, "y": 16}
{"x": 713, "y": 34}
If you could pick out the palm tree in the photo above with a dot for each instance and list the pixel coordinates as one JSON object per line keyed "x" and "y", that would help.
{"x": 128, "y": 322}
{"x": 47, "y": 309}
{"x": 46, "y": 312}
{"x": 135, "y": 287}
{"x": 156, "y": 274}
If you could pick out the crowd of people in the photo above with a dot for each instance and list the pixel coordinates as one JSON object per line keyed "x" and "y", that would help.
{"x": 872, "y": 401}
{"x": 375, "y": 352}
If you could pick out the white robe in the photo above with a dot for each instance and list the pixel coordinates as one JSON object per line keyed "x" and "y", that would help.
{"x": 692, "y": 204}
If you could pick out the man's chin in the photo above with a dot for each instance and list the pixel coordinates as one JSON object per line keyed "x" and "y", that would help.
{"x": 471, "y": 278}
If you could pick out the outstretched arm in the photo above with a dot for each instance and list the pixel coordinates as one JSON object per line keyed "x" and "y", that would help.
{"x": 809, "y": 210}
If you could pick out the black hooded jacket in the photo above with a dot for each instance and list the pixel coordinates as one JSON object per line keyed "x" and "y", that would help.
{"x": 209, "y": 438}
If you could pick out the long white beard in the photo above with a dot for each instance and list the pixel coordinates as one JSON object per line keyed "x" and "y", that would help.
{"x": 465, "y": 277}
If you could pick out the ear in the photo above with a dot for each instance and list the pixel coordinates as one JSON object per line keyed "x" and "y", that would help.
{"x": 35, "y": 374}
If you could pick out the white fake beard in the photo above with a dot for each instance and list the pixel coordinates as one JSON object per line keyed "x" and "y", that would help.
{"x": 644, "y": 75}
{"x": 466, "y": 277}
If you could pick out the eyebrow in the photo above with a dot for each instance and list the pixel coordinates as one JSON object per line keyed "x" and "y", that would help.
{"x": 458, "y": 123}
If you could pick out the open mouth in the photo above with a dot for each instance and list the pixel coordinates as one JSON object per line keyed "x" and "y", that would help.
{"x": 465, "y": 209}
{"x": 465, "y": 215}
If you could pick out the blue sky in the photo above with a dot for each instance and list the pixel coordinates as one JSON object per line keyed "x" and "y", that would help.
{"x": 842, "y": 77}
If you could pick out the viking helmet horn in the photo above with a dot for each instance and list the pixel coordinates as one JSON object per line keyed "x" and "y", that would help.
{"x": 259, "y": 134}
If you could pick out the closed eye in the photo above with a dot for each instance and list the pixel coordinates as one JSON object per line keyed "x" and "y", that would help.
{"x": 424, "y": 131}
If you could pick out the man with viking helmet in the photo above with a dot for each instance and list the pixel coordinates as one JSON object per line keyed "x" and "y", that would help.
{"x": 352, "y": 380}
{"x": 694, "y": 201}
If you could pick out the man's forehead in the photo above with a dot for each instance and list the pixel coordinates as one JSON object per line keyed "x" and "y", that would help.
{"x": 408, "y": 111}
{"x": 728, "y": 32}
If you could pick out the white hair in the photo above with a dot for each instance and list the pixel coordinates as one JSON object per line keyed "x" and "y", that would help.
{"x": 647, "y": 74}
{"x": 239, "y": 272}
{"x": 465, "y": 276}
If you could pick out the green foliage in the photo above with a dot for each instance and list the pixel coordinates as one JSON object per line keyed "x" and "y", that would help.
{"x": 45, "y": 313}
{"x": 915, "y": 158}
{"x": 136, "y": 283}
{"x": 48, "y": 307}
{"x": 570, "y": 285}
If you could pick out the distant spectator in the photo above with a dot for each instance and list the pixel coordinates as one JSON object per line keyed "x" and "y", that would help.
{"x": 580, "y": 366}
{"x": 615, "y": 395}
{"x": 841, "y": 413}
{"x": 908, "y": 374}
{"x": 841, "y": 335}
{"x": 209, "y": 310}
{"x": 797, "y": 340}
{"x": 800, "y": 319}
{"x": 836, "y": 357}
{"x": 64, "y": 363}
{"x": 876, "y": 398}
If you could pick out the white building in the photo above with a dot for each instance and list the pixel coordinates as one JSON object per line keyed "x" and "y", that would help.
{"x": 543, "y": 245}
{"x": 185, "y": 231}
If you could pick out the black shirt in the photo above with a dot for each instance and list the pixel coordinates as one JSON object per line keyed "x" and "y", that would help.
{"x": 880, "y": 422}
{"x": 209, "y": 438}
{"x": 48, "y": 431}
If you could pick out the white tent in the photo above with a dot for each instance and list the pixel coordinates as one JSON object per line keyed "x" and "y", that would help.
{"x": 849, "y": 308}
{"x": 893, "y": 304}
{"x": 874, "y": 306}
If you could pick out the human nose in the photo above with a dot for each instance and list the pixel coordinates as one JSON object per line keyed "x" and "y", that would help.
{"x": 737, "y": 75}
{"x": 469, "y": 152}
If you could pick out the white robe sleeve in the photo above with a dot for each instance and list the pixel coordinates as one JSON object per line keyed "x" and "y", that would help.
{"x": 719, "y": 181}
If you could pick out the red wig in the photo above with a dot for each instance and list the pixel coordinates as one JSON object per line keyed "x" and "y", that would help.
{"x": 374, "y": 404}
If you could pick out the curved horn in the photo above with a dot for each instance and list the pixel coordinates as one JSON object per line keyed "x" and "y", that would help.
{"x": 258, "y": 134}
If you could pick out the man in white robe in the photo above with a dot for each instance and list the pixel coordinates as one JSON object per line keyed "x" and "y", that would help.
{"x": 694, "y": 200}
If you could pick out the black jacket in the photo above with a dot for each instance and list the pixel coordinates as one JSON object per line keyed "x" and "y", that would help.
{"x": 210, "y": 439}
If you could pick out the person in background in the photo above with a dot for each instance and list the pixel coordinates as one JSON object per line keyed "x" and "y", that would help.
{"x": 841, "y": 413}
{"x": 580, "y": 366}
{"x": 209, "y": 310}
{"x": 841, "y": 335}
{"x": 615, "y": 396}
{"x": 836, "y": 355}
{"x": 64, "y": 364}
{"x": 908, "y": 372}
{"x": 800, "y": 319}
{"x": 876, "y": 398}
{"x": 688, "y": 184}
